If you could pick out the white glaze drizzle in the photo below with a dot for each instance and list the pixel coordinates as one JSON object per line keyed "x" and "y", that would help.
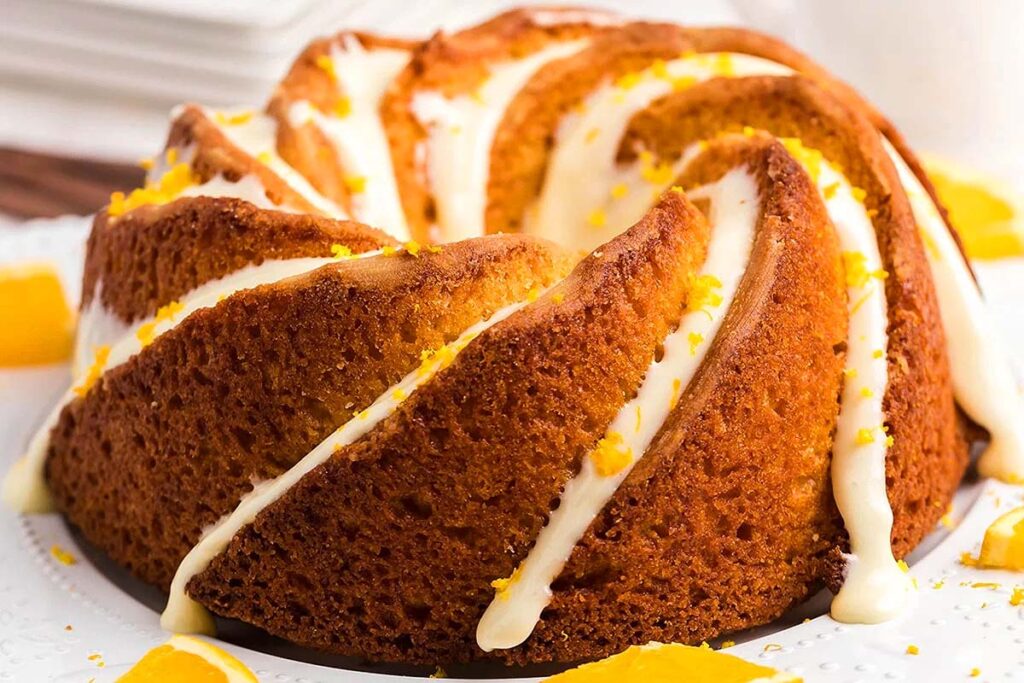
{"x": 585, "y": 214}
{"x": 185, "y": 615}
{"x": 247, "y": 188}
{"x": 97, "y": 326}
{"x": 874, "y": 589}
{"x": 358, "y": 138}
{"x": 984, "y": 380}
{"x": 24, "y": 487}
{"x": 561, "y": 17}
{"x": 460, "y": 134}
{"x": 514, "y": 611}
{"x": 169, "y": 158}
{"x": 256, "y": 135}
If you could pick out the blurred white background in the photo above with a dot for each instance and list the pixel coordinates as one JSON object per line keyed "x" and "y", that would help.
{"x": 96, "y": 78}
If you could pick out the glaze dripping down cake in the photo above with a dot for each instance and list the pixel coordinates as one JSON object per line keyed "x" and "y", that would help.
{"x": 656, "y": 330}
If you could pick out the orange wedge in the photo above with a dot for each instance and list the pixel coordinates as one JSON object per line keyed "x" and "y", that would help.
{"x": 1003, "y": 547}
{"x": 184, "y": 659}
{"x": 36, "y": 323}
{"x": 671, "y": 663}
{"x": 988, "y": 215}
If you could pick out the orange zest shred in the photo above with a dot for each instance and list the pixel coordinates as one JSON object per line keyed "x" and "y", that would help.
{"x": 147, "y": 331}
{"x": 677, "y": 386}
{"x": 92, "y": 375}
{"x": 355, "y": 184}
{"x": 611, "y": 456}
{"x": 63, "y": 556}
{"x": 501, "y": 586}
{"x": 656, "y": 173}
{"x": 413, "y": 248}
{"x": 695, "y": 339}
{"x": 342, "y": 107}
{"x": 856, "y": 268}
{"x": 704, "y": 293}
{"x": 171, "y": 184}
{"x": 341, "y": 252}
{"x": 628, "y": 81}
{"x": 683, "y": 82}
{"x": 864, "y": 436}
{"x": 236, "y": 119}
{"x": 811, "y": 159}
{"x": 326, "y": 64}
{"x": 723, "y": 65}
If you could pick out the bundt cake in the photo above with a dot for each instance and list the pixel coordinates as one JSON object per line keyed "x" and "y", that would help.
{"x": 658, "y": 330}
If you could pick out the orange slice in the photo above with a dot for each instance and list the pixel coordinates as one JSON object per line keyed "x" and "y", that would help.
{"x": 1003, "y": 547}
{"x": 184, "y": 659}
{"x": 987, "y": 214}
{"x": 36, "y": 323}
{"x": 671, "y": 663}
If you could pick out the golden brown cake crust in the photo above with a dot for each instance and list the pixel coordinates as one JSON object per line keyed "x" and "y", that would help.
{"x": 140, "y": 258}
{"x": 418, "y": 518}
{"x": 924, "y": 466}
{"x": 761, "y": 45}
{"x": 639, "y": 573}
{"x": 726, "y": 521}
{"x": 308, "y": 81}
{"x": 522, "y": 144}
{"x": 213, "y": 154}
{"x": 456, "y": 64}
{"x": 520, "y": 152}
{"x": 168, "y": 442}
{"x": 305, "y": 147}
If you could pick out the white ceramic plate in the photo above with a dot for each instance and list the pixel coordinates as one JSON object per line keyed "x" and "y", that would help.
{"x": 87, "y": 620}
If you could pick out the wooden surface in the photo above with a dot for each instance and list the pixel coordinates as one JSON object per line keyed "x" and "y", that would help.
{"x": 34, "y": 185}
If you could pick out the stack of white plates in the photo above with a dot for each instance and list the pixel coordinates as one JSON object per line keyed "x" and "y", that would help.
{"x": 96, "y": 78}
{"x": 221, "y": 52}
